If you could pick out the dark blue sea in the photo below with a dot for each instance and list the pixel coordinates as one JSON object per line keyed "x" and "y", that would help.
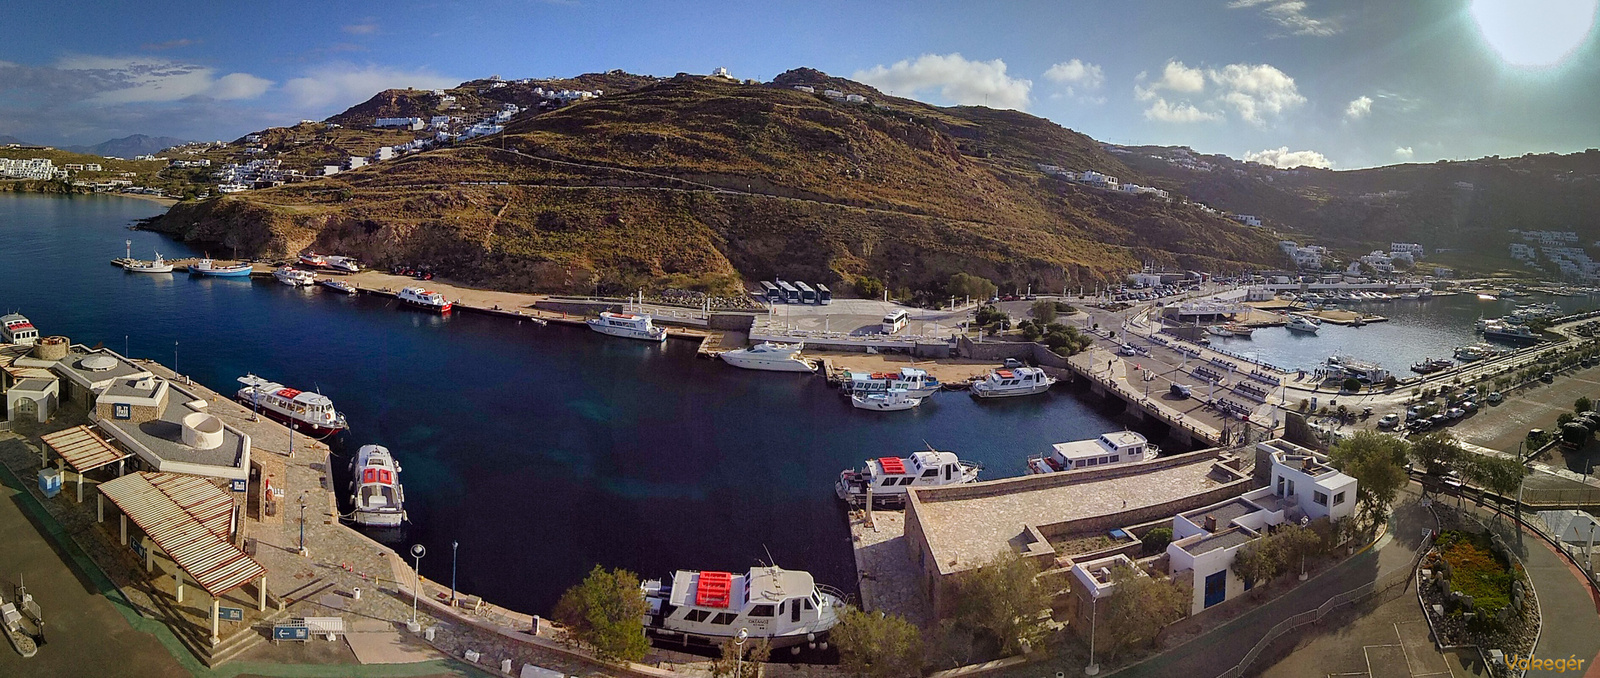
{"x": 542, "y": 450}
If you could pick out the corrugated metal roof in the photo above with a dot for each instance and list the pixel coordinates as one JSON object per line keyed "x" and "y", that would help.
{"x": 184, "y": 517}
{"x": 83, "y": 449}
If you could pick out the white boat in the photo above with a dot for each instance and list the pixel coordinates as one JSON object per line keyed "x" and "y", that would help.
{"x": 207, "y": 267}
{"x": 340, "y": 286}
{"x": 1306, "y": 324}
{"x": 915, "y": 382}
{"x": 627, "y": 325}
{"x": 893, "y": 400}
{"x": 890, "y": 477}
{"x": 1110, "y": 449}
{"x": 295, "y": 277}
{"x": 1219, "y": 330}
{"x": 770, "y": 357}
{"x": 312, "y": 259}
{"x": 1512, "y": 333}
{"x": 346, "y": 264}
{"x": 158, "y": 266}
{"x": 1408, "y": 295}
{"x": 424, "y": 299}
{"x": 305, "y": 411}
{"x": 786, "y": 608}
{"x": 1013, "y": 381}
{"x": 375, "y": 492}
{"x": 17, "y": 329}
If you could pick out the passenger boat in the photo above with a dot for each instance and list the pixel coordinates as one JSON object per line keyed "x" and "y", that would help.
{"x": 1511, "y": 333}
{"x": 1474, "y": 352}
{"x": 308, "y": 412}
{"x": 890, "y": 477}
{"x": 786, "y": 608}
{"x": 1012, "y": 381}
{"x": 210, "y": 268}
{"x": 1123, "y": 447}
{"x": 375, "y": 491}
{"x": 1306, "y": 324}
{"x": 17, "y": 329}
{"x": 312, "y": 259}
{"x": 424, "y": 299}
{"x": 1431, "y": 365}
{"x": 770, "y": 357}
{"x": 346, "y": 264}
{"x": 1238, "y": 331}
{"x": 295, "y": 277}
{"x": 627, "y": 325}
{"x": 915, "y": 382}
{"x": 340, "y": 286}
{"x": 158, "y": 266}
{"x": 893, "y": 400}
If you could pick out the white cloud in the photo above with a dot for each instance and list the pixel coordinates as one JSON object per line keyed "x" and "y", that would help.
{"x": 141, "y": 79}
{"x": 239, "y": 86}
{"x": 1403, "y": 152}
{"x": 1077, "y": 74}
{"x": 1283, "y": 158}
{"x": 1252, "y": 90}
{"x": 1291, "y": 14}
{"x": 347, "y": 84}
{"x": 1359, "y": 108}
{"x": 1175, "y": 77}
{"x": 954, "y": 77}
{"x": 1255, "y": 89}
{"x": 1162, "y": 111}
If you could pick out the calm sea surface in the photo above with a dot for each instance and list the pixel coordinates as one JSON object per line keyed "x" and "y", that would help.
{"x": 542, "y": 450}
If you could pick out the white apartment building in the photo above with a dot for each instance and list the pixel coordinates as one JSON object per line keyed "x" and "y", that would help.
{"x": 399, "y": 123}
{"x": 383, "y": 153}
{"x": 354, "y": 163}
{"x": 36, "y": 168}
{"x": 1246, "y": 219}
{"x": 1524, "y": 253}
{"x": 1416, "y": 250}
{"x": 806, "y": 88}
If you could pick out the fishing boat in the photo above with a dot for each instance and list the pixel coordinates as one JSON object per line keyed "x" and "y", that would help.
{"x": 1219, "y": 330}
{"x": 785, "y": 608}
{"x": 22, "y": 621}
{"x": 346, "y": 264}
{"x": 159, "y": 265}
{"x": 1408, "y": 296}
{"x": 312, "y": 259}
{"x": 375, "y": 491}
{"x": 340, "y": 286}
{"x": 210, "y": 268}
{"x": 893, "y": 400}
{"x": 424, "y": 299}
{"x": 1239, "y": 331}
{"x": 305, "y": 411}
{"x": 1431, "y": 365}
{"x": 769, "y": 357}
{"x": 627, "y": 325}
{"x": 890, "y": 477}
{"x": 1110, "y": 449}
{"x": 15, "y": 328}
{"x": 915, "y": 382}
{"x": 1305, "y": 324}
{"x": 1011, "y": 382}
{"x": 1424, "y": 294}
{"x": 295, "y": 277}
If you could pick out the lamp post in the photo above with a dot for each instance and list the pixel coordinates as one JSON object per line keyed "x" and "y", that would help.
{"x": 417, "y": 552}
{"x": 1094, "y": 604}
{"x": 738, "y": 642}
{"x": 302, "y": 523}
{"x": 453, "y": 546}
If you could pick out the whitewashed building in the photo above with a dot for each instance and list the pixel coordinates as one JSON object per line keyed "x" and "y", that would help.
{"x": 399, "y": 123}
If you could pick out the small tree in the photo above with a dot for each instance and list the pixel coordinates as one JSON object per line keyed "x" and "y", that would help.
{"x": 869, "y": 287}
{"x": 1296, "y": 543}
{"x": 1156, "y": 540}
{"x": 1438, "y": 453}
{"x": 1351, "y": 384}
{"x": 1138, "y": 607}
{"x": 876, "y": 645}
{"x": 1499, "y": 475}
{"x": 1044, "y": 311}
{"x": 1377, "y": 462}
{"x": 966, "y": 284}
{"x": 605, "y": 612}
{"x": 729, "y": 664}
{"x": 1000, "y": 602}
{"x": 1563, "y": 419}
{"x": 1582, "y": 404}
{"x": 1256, "y": 562}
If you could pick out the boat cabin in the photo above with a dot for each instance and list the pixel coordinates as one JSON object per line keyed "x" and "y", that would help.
{"x": 1110, "y": 449}
{"x": 16, "y": 329}
{"x": 890, "y": 477}
{"x": 908, "y": 378}
{"x": 770, "y": 602}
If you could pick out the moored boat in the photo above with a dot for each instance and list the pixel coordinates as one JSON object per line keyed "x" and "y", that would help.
{"x": 312, "y": 259}
{"x": 769, "y": 357}
{"x": 917, "y": 383}
{"x": 1122, "y": 447}
{"x": 1474, "y": 352}
{"x": 1011, "y": 382}
{"x": 1304, "y": 324}
{"x": 377, "y": 498}
{"x": 1510, "y": 333}
{"x": 295, "y": 277}
{"x": 17, "y": 329}
{"x": 159, "y": 265}
{"x": 786, "y": 608}
{"x": 305, "y": 411}
{"x": 340, "y": 286}
{"x": 211, "y": 268}
{"x": 893, "y": 400}
{"x": 628, "y": 325}
{"x": 424, "y": 299}
{"x": 346, "y": 264}
{"x": 1431, "y": 365}
{"x": 1219, "y": 330}
{"x": 889, "y": 478}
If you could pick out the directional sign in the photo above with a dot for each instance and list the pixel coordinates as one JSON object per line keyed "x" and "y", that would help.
{"x": 230, "y": 613}
{"x": 238, "y": 486}
{"x": 290, "y": 632}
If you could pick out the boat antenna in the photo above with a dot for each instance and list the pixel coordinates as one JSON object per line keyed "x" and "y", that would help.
{"x": 771, "y": 562}
{"x": 930, "y": 445}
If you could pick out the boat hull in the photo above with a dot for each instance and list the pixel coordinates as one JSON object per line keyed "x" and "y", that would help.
{"x": 978, "y": 392}
{"x": 223, "y": 273}
{"x": 668, "y": 637}
{"x": 378, "y": 518}
{"x": 310, "y": 429}
{"x": 884, "y": 405}
{"x": 428, "y": 307}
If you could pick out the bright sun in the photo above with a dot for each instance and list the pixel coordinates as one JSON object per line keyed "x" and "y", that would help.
{"x": 1534, "y": 32}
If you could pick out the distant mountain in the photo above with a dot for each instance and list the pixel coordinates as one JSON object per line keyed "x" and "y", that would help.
{"x": 8, "y": 139}
{"x": 128, "y": 147}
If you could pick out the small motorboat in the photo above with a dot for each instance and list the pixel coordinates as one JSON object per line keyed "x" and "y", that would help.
{"x": 376, "y": 494}
{"x": 769, "y": 357}
{"x": 706, "y": 609}
{"x": 340, "y": 286}
{"x": 893, "y": 400}
{"x": 425, "y": 299}
{"x": 1431, "y": 365}
{"x": 312, "y": 259}
{"x": 1011, "y": 382}
{"x": 629, "y": 325}
{"x": 295, "y": 277}
{"x": 158, "y": 266}
{"x": 208, "y": 267}
{"x": 346, "y": 264}
{"x": 887, "y": 479}
{"x": 1305, "y": 324}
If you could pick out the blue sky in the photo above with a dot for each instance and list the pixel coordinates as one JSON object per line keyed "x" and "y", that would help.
{"x": 1347, "y": 84}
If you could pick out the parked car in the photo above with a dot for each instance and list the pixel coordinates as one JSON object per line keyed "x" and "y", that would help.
{"x": 1389, "y": 421}
{"x": 1495, "y": 397}
{"x": 1438, "y": 420}
{"x": 1013, "y": 362}
{"x": 1470, "y": 406}
{"x": 1455, "y": 413}
{"x": 1179, "y": 390}
{"x": 1547, "y": 377}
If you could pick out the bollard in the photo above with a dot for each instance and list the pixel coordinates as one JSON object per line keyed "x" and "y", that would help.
{"x": 356, "y": 593}
{"x": 430, "y": 633}
{"x": 505, "y": 666}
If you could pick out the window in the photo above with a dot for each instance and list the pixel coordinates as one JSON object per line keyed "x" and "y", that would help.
{"x": 931, "y": 473}
{"x": 907, "y": 480}
{"x": 1320, "y": 498}
{"x": 889, "y": 482}
{"x": 761, "y": 611}
{"x": 1280, "y": 486}
{"x": 1116, "y": 458}
{"x": 947, "y": 469}
{"x": 697, "y": 615}
{"x": 1338, "y": 498}
{"x": 724, "y": 618}
{"x": 807, "y": 602}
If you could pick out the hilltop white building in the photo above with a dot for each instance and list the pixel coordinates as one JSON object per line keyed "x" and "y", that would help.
{"x": 399, "y": 123}
{"x": 36, "y": 168}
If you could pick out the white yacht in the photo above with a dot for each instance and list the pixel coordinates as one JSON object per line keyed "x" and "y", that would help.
{"x": 375, "y": 492}
{"x": 786, "y": 608}
{"x": 770, "y": 357}
{"x": 915, "y": 382}
{"x": 306, "y": 411}
{"x": 1123, "y": 447}
{"x": 1301, "y": 323}
{"x": 890, "y": 477}
{"x": 295, "y": 277}
{"x": 1012, "y": 381}
{"x": 158, "y": 266}
{"x": 17, "y": 329}
{"x": 627, "y": 325}
{"x": 346, "y": 264}
{"x": 893, "y": 400}
{"x": 424, "y": 299}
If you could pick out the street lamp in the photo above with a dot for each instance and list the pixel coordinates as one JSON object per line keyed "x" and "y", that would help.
{"x": 417, "y": 552}
{"x": 738, "y": 642}
{"x": 302, "y": 523}
{"x": 1094, "y": 600}
{"x": 453, "y": 546}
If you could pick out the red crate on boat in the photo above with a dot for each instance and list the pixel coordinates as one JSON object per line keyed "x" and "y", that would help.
{"x": 713, "y": 589}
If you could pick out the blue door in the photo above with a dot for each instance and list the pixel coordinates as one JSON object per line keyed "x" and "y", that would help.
{"x": 1216, "y": 588}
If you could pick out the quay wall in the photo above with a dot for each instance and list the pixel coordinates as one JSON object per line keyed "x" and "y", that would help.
{"x": 1000, "y": 350}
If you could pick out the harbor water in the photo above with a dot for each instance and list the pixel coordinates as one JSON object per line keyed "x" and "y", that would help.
{"x": 540, "y": 450}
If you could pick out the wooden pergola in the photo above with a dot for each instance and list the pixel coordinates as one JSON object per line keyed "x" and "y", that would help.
{"x": 84, "y": 450}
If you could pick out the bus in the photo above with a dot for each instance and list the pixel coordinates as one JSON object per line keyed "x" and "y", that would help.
{"x": 790, "y": 294}
{"x": 896, "y": 321}
{"x": 807, "y": 295}
{"x": 770, "y": 291}
{"x": 823, "y": 295}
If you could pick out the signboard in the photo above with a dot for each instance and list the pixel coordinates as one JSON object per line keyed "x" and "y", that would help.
{"x": 230, "y": 613}
{"x": 238, "y": 485}
{"x": 121, "y": 411}
{"x": 138, "y": 547}
{"x": 290, "y": 632}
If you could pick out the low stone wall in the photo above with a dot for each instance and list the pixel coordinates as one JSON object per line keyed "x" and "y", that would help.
{"x": 737, "y": 322}
{"x": 1047, "y": 480}
{"x": 997, "y": 351}
{"x": 577, "y": 307}
{"x": 1110, "y": 521}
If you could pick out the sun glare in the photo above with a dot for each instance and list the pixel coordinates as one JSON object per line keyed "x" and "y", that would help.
{"x": 1534, "y": 32}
